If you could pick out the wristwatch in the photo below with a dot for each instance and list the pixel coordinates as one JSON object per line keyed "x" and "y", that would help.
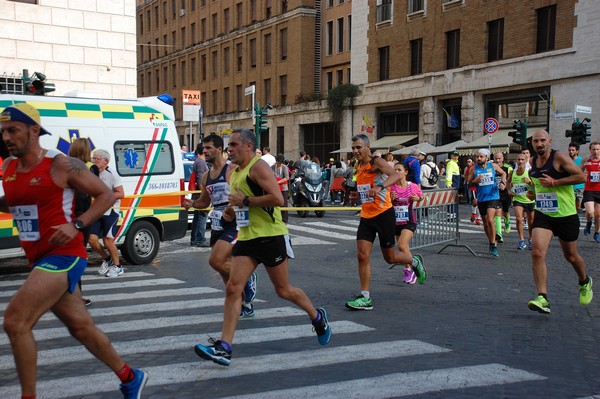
{"x": 78, "y": 224}
{"x": 246, "y": 201}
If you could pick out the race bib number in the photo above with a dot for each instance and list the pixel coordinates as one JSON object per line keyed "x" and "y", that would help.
{"x": 546, "y": 202}
{"x": 594, "y": 177}
{"x": 363, "y": 192}
{"x": 242, "y": 215}
{"x": 520, "y": 189}
{"x": 486, "y": 179}
{"x": 26, "y": 219}
{"x": 401, "y": 212}
{"x": 215, "y": 220}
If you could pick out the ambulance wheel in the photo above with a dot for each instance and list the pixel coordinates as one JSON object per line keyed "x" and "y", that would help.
{"x": 141, "y": 243}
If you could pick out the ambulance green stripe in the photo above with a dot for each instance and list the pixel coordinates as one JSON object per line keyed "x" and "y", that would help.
{"x": 118, "y": 115}
{"x": 82, "y": 107}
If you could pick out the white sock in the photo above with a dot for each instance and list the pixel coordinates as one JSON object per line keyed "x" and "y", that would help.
{"x": 366, "y": 294}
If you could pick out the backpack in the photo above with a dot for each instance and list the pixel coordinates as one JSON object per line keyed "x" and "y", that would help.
{"x": 433, "y": 176}
{"x": 411, "y": 173}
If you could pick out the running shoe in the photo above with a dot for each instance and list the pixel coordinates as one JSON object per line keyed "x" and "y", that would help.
{"x": 529, "y": 245}
{"x": 360, "y": 303}
{"x": 409, "y": 276}
{"x": 87, "y": 302}
{"x": 588, "y": 228}
{"x": 522, "y": 245}
{"x": 499, "y": 239}
{"x": 115, "y": 271}
{"x": 539, "y": 304}
{"x": 133, "y": 389}
{"x": 525, "y": 225}
{"x": 478, "y": 222}
{"x": 322, "y": 327}
{"x": 419, "y": 269}
{"x": 473, "y": 217}
{"x": 585, "y": 292}
{"x": 247, "y": 311}
{"x": 214, "y": 352}
{"x": 250, "y": 288}
{"x": 105, "y": 267}
{"x": 597, "y": 237}
{"x": 493, "y": 250}
{"x": 506, "y": 225}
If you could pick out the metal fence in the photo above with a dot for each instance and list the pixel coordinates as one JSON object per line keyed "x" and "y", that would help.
{"x": 438, "y": 218}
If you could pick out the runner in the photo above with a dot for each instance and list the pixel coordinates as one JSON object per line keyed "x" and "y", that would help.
{"x": 488, "y": 197}
{"x": 215, "y": 189}
{"x": 505, "y": 199}
{"x": 553, "y": 174}
{"x": 404, "y": 194}
{"x": 518, "y": 185}
{"x": 591, "y": 193}
{"x": 263, "y": 238}
{"x": 374, "y": 176}
{"x": 577, "y": 188}
{"x": 40, "y": 187}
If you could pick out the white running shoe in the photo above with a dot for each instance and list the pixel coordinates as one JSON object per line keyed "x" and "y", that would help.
{"x": 105, "y": 267}
{"x": 115, "y": 271}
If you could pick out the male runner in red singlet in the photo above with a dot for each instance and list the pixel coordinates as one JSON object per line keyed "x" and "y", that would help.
{"x": 40, "y": 188}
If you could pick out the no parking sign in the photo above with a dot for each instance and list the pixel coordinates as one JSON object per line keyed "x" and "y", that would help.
{"x": 491, "y": 125}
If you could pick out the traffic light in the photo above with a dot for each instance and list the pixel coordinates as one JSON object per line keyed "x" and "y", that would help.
{"x": 260, "y": 121}
{"x": 580, "y": 132}
{"x": 519, "y": 135}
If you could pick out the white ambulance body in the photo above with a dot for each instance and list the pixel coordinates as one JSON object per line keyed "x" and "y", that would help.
{"x": 141, "y": 138}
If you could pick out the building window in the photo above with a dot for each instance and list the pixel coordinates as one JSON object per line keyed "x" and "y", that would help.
{"x": 268, "y": 9}
{"x": 349, "y": 32}
{"x": 202, "y": 4}
{"x": 280, "y": 139}
{"x": 284, "y": 6}
{"x": 183, "y": 38}
{"x": 156, "y": 17}
{"x": 164, "y": 12}
{"x": 193, "y": 70}
{"x": 183, "y": 74}
{"x": 546, "y": 28}
{"x": 215, "y": 104}
{"x": 174, "y": 75}
{"x": 141, "y": 78}
{"x": 349, "y": 74}
{"x": 226, "y": 20}
{"x": 252, "y": 53}
{"x": 215, "y": 64}
{"x": 193, "y": 39}
{"x": 267, "y": 48}
{"x": 226, "y": 60}
{"x": 267, "y": 91}
{"x": 416, "y": 57}
{"x": 239, "y": 56}
{"x": 226, "y": 99}
{"x": 340, "y": 35}
{"x": 174, "y": 9}
{"x": 203, "y": 101}
{"x": 495, "y": 40}
{"x": 203, "y": 29}
{"x": 384, "y": 10}
{"x": 329, "y": 3}
{"x": 329, "y": 81}
{"x": 416, "y": 6}
{"x": 148, "y": 21}
{"x": 329, "y": 37}
{"x": 453, "y": 49}
{"x": 193, "y": 5}
{"x": 165, "y": 46}
{"x": 156, "y": 47}
{"x": 283, "y": 43}
{"x": 283, "y": 90}
{"x": 203, "y": 66}
{"x": 239, "y": 97}
{"x": 253, "y": 11}
{"x": 215, "y": 26}
{"x": 340, "y": 77}
{"x": 174, "y": 40}
{"x": 384, "y": 63}
{"x": 399, "y": 122}
{"x": 239, "y": 15}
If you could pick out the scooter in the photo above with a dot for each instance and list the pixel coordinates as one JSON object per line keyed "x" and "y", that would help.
{"x": 307, "y": 190}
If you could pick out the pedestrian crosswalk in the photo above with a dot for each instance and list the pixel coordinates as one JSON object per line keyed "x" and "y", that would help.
{"x": 153, "y": 328}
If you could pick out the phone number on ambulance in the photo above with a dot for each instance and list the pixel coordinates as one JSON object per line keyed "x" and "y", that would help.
{"x": 164, "y": 186}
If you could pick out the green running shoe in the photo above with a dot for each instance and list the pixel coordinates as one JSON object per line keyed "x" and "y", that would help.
{"x": 420, "y": 270}
{"x": 539, "y": 304}
{"x": 585, "y": 292}
{"x": 506, "y": 225}
{"x": 360, "y": 303}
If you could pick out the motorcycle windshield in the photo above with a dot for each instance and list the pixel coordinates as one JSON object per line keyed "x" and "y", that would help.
{"x": 314, "y": 176}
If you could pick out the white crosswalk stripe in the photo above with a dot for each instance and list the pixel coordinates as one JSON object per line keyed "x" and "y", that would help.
{"x": 157, "y": 334}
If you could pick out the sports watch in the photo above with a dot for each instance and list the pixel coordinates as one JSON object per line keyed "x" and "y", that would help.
{"x": 78, "y": 224}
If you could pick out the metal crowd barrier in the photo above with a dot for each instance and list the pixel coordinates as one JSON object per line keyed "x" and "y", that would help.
{"x": 438, "y": 218}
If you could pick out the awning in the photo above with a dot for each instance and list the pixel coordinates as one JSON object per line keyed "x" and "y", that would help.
{"x": 500, "y": 142}
{"x": 388, "y": 142}
{"x": 448, "y": 148}
{"x": 342, "y": 150}
{"x": 425, "y": 147}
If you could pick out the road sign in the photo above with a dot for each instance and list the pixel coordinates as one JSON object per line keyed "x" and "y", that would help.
{"x": 563, "y": 115}
{"x": 583, "y": 109}
{"x": 490, "y": 125}
{"x": 249, "y": 90}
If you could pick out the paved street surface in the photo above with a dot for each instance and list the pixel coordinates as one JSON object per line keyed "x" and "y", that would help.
{"x": 466, "y": 333}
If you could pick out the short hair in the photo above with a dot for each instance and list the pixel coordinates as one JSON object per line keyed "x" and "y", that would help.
{"x": 429, "y": 158}
{"x": 594, "y": 143}
{"x": 363, "y": 137}
{"x": 414, "y": 152}
{"x": 280, "y": 158}
{"x": 80, "y": 149}
{"x": 574, "y": 145}
{"x": 103, "y": 154}
{"x": 215, "y": 139}
{"x": 247, "y": 136}
{"x": 266, "y": 149}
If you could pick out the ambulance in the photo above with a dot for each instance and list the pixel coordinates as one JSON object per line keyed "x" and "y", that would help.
{"x": 141, "y": 138}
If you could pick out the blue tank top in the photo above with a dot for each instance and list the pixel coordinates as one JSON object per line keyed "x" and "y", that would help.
{"x": 219, "y": 191}
{"x": 487, "y": 188}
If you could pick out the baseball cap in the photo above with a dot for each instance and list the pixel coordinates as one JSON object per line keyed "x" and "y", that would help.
{"x": 331, "y": 160}
{"x": 24, "y": 113}
{"x": 455, "y": 153}
{"x": 422, "y": 153}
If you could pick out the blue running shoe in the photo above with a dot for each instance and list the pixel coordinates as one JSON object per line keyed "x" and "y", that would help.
{"x": 493, "y": 250}
{"x": 322, "y": 327}
{"x": 529, "y": 245}
{"x": 247, "y": 311}
{"x": 250, "y": 288}
{"x": 588, "y": 228}
{"x": 597, "y": 237}
{"x": 522, "y": 245}
{"x": 214, "y": 352}
{"x": 133, "y": 389}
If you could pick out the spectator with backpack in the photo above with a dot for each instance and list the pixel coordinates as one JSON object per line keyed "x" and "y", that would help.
{"x": 413, "y": 166}
{"x": 430, "y": 174}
